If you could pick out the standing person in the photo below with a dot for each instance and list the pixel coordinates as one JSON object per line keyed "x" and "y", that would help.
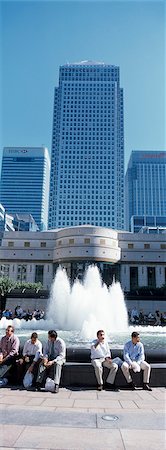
{"x": 32, "y": 352}
{"x": 134, "y": 358}
{"x": 101, "y": 356}
{"x": 134, "y": 315}
{"x": 54, "y": 356}
{"x": 9, "y": 348}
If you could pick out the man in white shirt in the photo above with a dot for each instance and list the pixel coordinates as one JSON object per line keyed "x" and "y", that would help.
{"x": 32, "y": 352}
{"x": 101, "y": 356}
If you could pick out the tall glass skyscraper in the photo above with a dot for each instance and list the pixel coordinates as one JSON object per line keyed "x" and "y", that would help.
{"x": 87, "y": 162}
{"x": 145, "y": 187}
{"x": 25, "y": 182}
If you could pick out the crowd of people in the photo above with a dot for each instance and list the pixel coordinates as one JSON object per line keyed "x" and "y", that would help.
{"x": 37, "y": 367}
{"x": 135, "y": 316}
{"x": 140, "y": 318}
{"x": 21, "y": 313}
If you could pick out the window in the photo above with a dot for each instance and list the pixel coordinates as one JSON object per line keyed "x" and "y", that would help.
{"x": 151, "y": 277}
{"x": 86, "y": 241}
{"x": 39, "y": 270}
{"x": 59, "y": 243}
{"x": 163, "y": 246}
{"x": 133, "y": 278}
{"x": 26, "y": 244}
{"x": 71, "y": 241}
{"x": 146, "y": 245}
{"x": 4, "y": 270}
{"x": 102, "y": 241}
{"x": 130, "y": 245}
{"x": 10, "y": 244}
{"x": 43, "y": 244}
{"x": 21, "y": 272}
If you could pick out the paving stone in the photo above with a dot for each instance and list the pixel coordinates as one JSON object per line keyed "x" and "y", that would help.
{"x": 9, "y": 434}
{"x": 51, "y": 419}
{"x": 142, "y": 421}
{"x": 96, "y": 403}
{"x": 146, "y": 439}
{"x": 70, "y": 439}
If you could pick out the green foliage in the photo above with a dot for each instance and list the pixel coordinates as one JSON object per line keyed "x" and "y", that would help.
{"x": 6, "y": 285}
{"x": 24, "y": 285}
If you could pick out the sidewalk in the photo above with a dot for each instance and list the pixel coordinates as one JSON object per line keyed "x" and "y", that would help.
{"x": 73, "y": 419}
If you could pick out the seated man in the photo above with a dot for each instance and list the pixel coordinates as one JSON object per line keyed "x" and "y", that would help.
{"x": 9, "y": 348}
{"x": 134, "y": 359}
{"x": 54, "y": 355}
{"x": 32, "y": 352}
{"x": 101, "y": 356}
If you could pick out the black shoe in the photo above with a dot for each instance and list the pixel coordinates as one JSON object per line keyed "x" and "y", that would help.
{"x": 100, "y": 387}
{"x": 146, "y": 387}
{"x": 56, "y": 388}
{"x": 131, "y": 386}
{"x": 111, "y": 387}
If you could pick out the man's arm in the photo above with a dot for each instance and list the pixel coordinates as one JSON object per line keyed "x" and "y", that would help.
{"x": 141, "y": 355}
{"x": 126, "y": 354}
{"x": 62, "y": 351}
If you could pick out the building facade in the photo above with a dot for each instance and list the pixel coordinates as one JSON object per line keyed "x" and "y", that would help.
{"x": 136, "y": 259}
{"x": 145, "y": 190}
{"x": 25, "y": 182}
{"x": 87, "y": 162}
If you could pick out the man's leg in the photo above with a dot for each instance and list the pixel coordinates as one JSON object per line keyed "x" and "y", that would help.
{"x": 126, "y": 372}
{"x": 113, "y": 368}
{"x": 41, "y": 376}
{"x": 146, "y": 375}
{"x": 57, "y": 374}
{"x": 97, "y": 364}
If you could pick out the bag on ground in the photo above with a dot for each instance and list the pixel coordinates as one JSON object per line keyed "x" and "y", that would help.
{"x": 50, "y": 385}
{"x": 27, "y": 380}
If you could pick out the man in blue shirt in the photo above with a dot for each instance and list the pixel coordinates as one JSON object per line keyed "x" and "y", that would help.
{"x": 134, "y": 358}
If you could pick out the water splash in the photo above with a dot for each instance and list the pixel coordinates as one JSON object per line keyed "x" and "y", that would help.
{"x": 87, "y": 306}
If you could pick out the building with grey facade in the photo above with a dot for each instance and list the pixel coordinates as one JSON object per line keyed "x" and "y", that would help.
{"x": 136, "y": 259}
{"x": 87, "y": 161}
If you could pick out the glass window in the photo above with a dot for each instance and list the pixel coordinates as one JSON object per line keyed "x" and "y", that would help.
{"x": 26, "y": 244}
{"x": 21, "y": 272}
{"x": 10, "y": 244}
{"x": 71, "y": 241}
{"x": 86, "y": 241}
{"x": 4, "y": 270}
{"x": 130, "y": 245}
{"x": 146, "y": 245}
{"x": 43, "y": 244}
{"x": 39, "y": 270}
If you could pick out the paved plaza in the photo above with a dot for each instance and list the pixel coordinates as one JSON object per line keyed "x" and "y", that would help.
{"x": 77, "y": 419}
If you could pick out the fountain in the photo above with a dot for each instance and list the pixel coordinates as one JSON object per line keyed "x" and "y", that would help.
{"x": 78, "y": 311}
{"x": 87, "y": 306}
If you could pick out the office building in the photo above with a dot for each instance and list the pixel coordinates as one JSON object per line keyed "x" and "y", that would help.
{"x": 87, "y": 162}
{"x": 25, "y": 182}
{"x": 136, "y": 259}
{"x": 145, "y": 190}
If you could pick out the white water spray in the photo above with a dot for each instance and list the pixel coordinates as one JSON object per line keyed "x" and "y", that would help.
{"x": 87, "y": 306}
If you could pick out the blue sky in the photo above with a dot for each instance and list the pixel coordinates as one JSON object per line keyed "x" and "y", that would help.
{"x": 38, "y": 36}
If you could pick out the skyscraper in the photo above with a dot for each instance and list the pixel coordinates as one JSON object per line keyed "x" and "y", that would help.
{"x": 25, "y": 182}
{"x": 145, "y": 188}
{"x": 87, "y": 162}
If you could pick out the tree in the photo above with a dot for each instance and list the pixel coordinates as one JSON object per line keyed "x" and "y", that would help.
{"x": 5, "y": 287}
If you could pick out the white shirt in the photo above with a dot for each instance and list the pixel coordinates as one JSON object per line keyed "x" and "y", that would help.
{"x": 101, "y": 351}
{"x": 33, "y": 349}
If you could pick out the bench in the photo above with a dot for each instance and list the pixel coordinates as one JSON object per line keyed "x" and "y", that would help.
{"x": 78, "y": 370}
